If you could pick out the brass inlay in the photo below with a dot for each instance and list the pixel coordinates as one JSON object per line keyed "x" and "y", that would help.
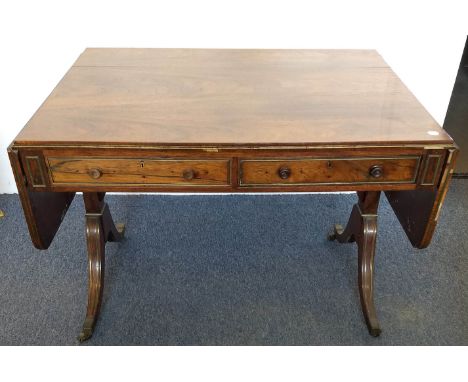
{"x": 32, "y": 174}
{"x": 418, "y": 158}
{"x": 444, "y": 183}
{"x": 234, "y": 147}
{"x": 426, "y": 168}
{"x": 228, "y": 162}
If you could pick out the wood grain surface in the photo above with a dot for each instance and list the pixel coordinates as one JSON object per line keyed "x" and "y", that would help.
{"x": 140, "y": 171}
{"x": 230, "y": 97}
{"x": 232, "y": 121}
{"x": 327, "y": 171}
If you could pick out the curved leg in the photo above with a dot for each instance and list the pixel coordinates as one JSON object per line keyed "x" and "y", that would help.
{"x": 99, "y": 229}
{"x": 362, "y": 228}
{"x": 96, "y": 260}
{"x": 366, "y": 253}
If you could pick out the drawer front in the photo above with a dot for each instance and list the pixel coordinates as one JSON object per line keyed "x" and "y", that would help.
{"x": 306, "y": 171}
{"x": 140, "y": 171}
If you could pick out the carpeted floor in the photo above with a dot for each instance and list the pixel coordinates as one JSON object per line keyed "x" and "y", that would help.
{"x": 235, "y": 270}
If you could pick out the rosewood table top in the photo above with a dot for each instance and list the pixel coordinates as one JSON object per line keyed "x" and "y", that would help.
{"x": 231, "y": 97}
{"x": 215, "y": 120}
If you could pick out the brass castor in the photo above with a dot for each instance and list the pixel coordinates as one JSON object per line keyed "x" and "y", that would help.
{"x": 337, "y": 230}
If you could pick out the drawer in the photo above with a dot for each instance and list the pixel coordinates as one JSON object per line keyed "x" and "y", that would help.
{"x": 305, "y": 171}
{"x": 140, "y": 171}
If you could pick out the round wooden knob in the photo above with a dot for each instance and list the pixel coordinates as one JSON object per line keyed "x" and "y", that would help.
{"x": 284, "y": 172}
{"x": 188, "y": 174}
{"x": 376, "y": 171}
{"x": 95, "y": 173}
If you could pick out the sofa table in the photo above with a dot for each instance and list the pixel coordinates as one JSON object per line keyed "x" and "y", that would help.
{"x": 234, "y": 121}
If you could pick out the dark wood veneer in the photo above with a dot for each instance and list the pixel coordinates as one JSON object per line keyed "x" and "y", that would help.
{"x": 210, "y": 120}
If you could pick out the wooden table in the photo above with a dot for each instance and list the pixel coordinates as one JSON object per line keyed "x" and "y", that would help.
{"x": 207, "y": 120}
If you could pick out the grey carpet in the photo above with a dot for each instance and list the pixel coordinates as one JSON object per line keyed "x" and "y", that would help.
{"x": 235, "y": 270}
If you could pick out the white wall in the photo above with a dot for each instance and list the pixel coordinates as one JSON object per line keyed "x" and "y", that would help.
{"x": 422, "y": 41}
